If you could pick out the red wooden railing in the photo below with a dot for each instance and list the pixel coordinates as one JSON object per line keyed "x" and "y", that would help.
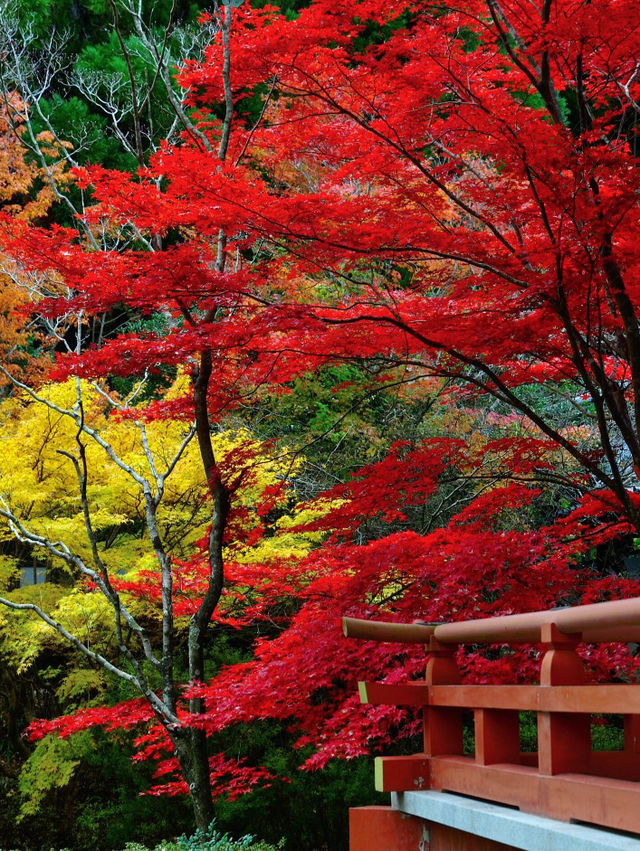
{"x": 565, "y": 779}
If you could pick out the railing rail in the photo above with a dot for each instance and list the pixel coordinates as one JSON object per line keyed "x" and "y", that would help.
{"x": 617, "y": 620}
{"x": 565, "y": 778}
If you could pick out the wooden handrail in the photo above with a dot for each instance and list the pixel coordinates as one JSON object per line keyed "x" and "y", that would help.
{"x": 564, "y": 778}
{"x": 618, "y": 620}
{"x": 405, "y": 633}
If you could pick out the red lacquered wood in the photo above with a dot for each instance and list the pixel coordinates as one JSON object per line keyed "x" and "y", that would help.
{"x": 606, "y": 620}
{"x": 610, "y": 803}
{"x": 561, "y": 665}
{"x": 497, "y": 733}
{"x": 564, "y": 739}
{"x": 632, "y": 727}
{"x": 564, "y": 743}
{"x": 515, "y": 785}
{"x": 615, "y": 699}
{"x": 488, "y": 697}
{"x": 607, "y": 802}
{"x": 616, "y": 620}
{"x": 401, "y": 773}
{"x": 442, "y": 668}
{"x": 564, "y": 779}
{"x": 442, "y": 728}
{"x": 407, "y": 633}
{"x": 384, "y": 829}
{"x": 621, "y": 765}
{"x": 442, "y": 731}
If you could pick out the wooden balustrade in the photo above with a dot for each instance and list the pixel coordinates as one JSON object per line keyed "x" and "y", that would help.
{"x": 564, "y": 779}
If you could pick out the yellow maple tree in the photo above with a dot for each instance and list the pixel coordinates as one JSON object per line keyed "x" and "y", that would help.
{"x": 39, "y": 487}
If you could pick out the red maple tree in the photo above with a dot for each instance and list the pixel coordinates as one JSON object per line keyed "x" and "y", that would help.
{"x": 448, "y": 192}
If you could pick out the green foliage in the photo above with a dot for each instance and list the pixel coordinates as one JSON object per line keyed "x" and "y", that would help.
{"x": 607, "y": 733}
{"x": 345, "y": 423}
{"x": 80, "y": 685}
{"x": 528, "y": 732}
{"x": 107, "y": 59}
{"x": 42, "y": 16}
{"x": 73, "y": 121}
{"x": 86, "y": 21}
{"x": 210, "y": 840}
{"x": 100, "y": 808}
{"x": 22, "y": 634}
{"x": 308, "y": 809}
{"x": 51, "y": 766}
{"x": 376, "y": 33}
{"x": 111, "y": 809}
{"x": 9, "y": 572}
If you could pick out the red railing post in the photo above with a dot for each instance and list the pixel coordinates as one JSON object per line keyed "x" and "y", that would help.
{"x": 632, "y": 733}
{"x": 564, "y": 738}
{"x": 442, "y": 725}
{"x": 497, "y": 736}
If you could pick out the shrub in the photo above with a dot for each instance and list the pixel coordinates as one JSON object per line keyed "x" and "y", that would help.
{"x": 210, "y": 840}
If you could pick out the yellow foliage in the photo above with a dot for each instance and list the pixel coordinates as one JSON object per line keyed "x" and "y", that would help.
{"x": 85, "y": 615}
{"x": 23, "y": 635}
{"x": 38, "y": 480}
{"x": 9, "y": 572}
{"x": 288, "y": 543}
{"x": 40, "y": 483}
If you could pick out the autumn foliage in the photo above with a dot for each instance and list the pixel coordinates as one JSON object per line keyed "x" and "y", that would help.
{"x": 27, "y": 192}
{"x": 447, "y": 197}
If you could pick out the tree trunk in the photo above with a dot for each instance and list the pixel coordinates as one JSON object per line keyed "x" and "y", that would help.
{"x": 190, "y": 749}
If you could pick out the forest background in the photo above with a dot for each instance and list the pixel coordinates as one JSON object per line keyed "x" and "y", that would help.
{"x": 307, "y": 310}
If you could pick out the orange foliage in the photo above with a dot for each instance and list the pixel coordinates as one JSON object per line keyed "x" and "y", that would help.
{"x": 27, "y": 192}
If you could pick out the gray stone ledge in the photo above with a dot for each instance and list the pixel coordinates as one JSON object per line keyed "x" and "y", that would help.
{"x": 510, "y": 826}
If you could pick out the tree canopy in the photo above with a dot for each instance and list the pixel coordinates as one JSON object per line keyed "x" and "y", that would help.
{"x": 428, "y": 216}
